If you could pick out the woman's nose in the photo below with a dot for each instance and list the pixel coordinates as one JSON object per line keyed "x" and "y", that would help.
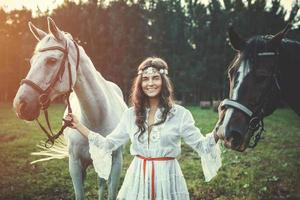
{"x": 150, "y": 82}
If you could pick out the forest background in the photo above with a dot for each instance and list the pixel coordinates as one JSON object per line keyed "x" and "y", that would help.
{"x": 117, "y": 35}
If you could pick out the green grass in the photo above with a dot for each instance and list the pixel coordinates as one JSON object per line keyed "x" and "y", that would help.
{"x": 270, "y": 171}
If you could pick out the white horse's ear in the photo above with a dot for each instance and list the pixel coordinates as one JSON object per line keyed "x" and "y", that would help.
{"x": 58, "y": 34}
{"x": 38, "y": 33}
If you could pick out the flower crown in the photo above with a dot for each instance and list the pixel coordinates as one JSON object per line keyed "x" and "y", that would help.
{"x": 152, "y": 70}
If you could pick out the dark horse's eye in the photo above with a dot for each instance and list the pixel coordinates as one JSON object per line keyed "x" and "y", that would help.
{"x": 51, "y": 61}
{"x": 261, "y": 78}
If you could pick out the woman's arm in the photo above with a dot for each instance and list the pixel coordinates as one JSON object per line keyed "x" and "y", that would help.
{"x": 75, "y": 124}
{"x": 206, "y": 146}
{"x": 101, "y": 148}
{"x": 193, "y": 136}
{"x": 112, "y": 141}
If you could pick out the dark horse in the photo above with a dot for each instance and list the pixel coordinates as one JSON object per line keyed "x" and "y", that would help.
{"x": 265, "y": 71}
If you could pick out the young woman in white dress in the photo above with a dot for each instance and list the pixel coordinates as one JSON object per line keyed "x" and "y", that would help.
{"x": 154, "y": 125}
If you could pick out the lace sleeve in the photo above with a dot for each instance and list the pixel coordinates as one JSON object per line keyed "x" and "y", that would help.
{"x": 101, "y": 147}
{"x": 206, "y": 147}
{"x": 100, "y": 154}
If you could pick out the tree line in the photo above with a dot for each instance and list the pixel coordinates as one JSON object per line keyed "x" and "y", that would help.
{"x": 118, "y": 35}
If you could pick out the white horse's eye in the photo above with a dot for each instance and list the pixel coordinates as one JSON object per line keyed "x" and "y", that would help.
{"x": 51, "y": 61}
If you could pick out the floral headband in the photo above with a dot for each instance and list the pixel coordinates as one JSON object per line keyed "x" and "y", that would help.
{"x": 152, "y": 70}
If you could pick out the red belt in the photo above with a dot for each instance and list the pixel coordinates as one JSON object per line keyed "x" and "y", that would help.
{"x": 153, "y": 171}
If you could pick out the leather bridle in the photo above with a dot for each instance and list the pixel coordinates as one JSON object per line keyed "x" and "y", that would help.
{"x": 44, "y": 99}
{"x": 256, "y": 124}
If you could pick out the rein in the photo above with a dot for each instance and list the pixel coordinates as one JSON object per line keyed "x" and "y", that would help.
{"x": 256, "y": 123}
{"x": 44, "y": 99}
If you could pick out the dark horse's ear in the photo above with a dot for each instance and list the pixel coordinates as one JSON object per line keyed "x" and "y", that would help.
{"x": 276, "y": 40}
{"x": 236, "y": 41}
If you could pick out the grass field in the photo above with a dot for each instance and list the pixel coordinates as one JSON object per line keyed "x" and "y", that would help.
{"x": 270, "y": 171}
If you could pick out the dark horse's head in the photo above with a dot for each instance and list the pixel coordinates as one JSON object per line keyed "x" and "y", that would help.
{"x": 254, "y": 87}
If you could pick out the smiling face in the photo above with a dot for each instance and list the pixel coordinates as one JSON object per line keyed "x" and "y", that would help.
{"x": 151, "y": 84}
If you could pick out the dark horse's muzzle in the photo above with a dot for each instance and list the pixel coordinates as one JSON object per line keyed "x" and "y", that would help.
{"x": 240, "y": 126}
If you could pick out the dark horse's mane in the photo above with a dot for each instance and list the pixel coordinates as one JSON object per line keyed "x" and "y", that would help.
{"x": 288, "y": 64}
{"x": 258, "y": 44}
{"x": 254, "y": 45}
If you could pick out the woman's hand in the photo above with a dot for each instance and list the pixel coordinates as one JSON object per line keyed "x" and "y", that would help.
{"x": 218, "y": 130}
{"x": 221, "y": 111}
{"x": 75, "y": 124}
{"x": 72, "y": 120}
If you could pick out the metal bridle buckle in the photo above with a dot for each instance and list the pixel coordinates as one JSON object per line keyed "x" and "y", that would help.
{"x": 44, "y": 101}
{"x": 49, "y": 143}
{"x": 254, "y": 123}
{"x": 67, "y": 123}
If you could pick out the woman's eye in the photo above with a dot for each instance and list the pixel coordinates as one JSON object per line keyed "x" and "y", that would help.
{"x": 51, "y": 61}
{"x": 156, "y": 78}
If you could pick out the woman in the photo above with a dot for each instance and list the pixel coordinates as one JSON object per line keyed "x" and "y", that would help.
{"x": 154, "y": 125}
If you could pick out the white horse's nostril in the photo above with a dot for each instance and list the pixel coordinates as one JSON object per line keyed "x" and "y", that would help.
{"x": 20, "y": 108}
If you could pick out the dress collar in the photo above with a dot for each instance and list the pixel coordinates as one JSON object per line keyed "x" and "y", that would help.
{"x": 159, "y": 111}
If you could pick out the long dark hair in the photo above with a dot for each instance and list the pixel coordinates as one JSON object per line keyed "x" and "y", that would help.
{"x": 139, "y": 99}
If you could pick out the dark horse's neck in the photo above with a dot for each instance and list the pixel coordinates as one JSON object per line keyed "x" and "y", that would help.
{"x": 289, "y": 73}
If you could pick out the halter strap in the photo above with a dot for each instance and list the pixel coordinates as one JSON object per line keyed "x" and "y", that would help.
{"x": 64, "y": 50}
{"x": 267, "y": 53}
{"x": 32, "y": 84}
{"x": 235, "y": 104}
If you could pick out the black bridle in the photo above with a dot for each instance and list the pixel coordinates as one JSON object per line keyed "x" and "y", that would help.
{"x": 44, "y": 99}
{"x": 256, "y": 124}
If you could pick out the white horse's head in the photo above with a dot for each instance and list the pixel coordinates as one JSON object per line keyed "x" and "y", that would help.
{"x": 49, "y": 75}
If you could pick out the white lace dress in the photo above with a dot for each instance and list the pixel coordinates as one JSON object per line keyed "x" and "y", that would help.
{"x": 165, "y": 141}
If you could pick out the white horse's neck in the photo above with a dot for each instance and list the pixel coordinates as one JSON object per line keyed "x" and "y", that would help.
{"x": 100, "y": 104}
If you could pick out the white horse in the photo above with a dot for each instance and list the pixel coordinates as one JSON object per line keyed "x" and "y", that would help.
{"x": 97, "y": 102}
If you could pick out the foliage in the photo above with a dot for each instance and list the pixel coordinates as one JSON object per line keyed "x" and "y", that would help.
{"x": 270, "y": 171}
{"x": 117, "y": 36}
